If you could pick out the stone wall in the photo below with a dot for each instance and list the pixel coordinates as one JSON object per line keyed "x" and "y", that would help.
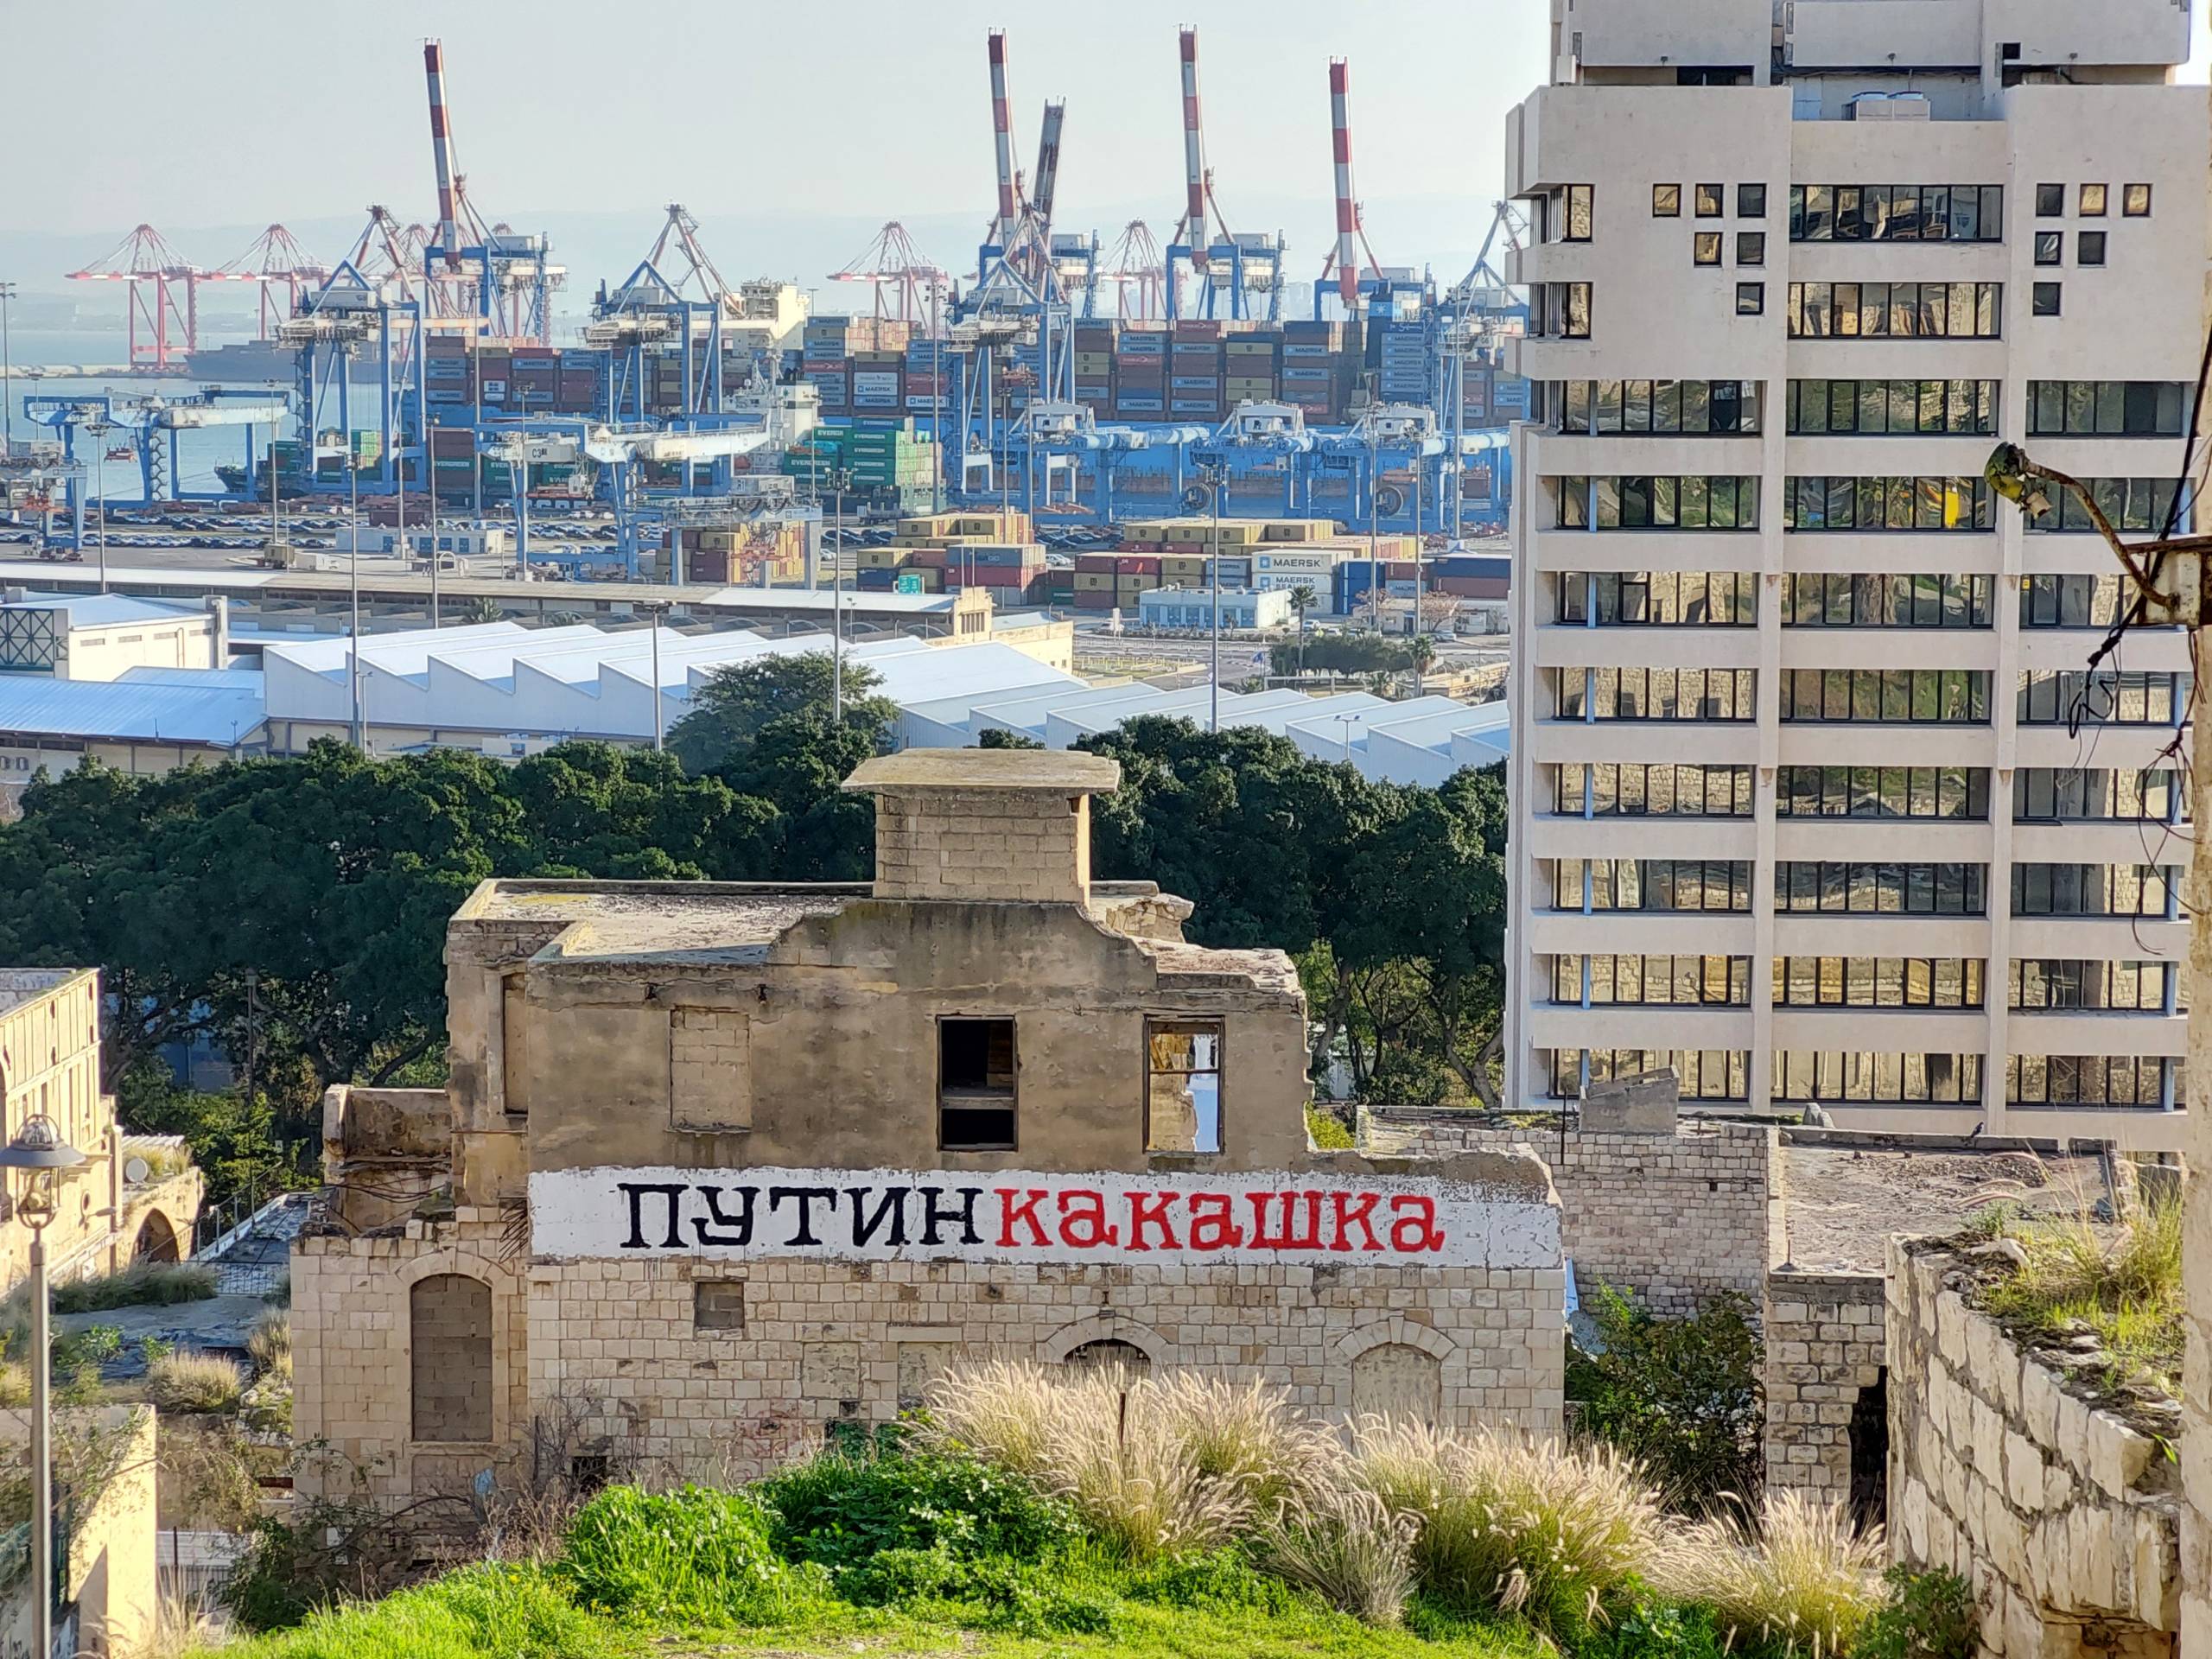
{"x": 1674, "y": 1219}
{"x": 1824, "y": 1348}
{"x": 2063, "y": 1518}
{"x": 724, "y": 1370}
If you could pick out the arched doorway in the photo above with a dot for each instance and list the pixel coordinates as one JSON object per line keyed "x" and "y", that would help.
{"x": 156, "y": 1240}
{"x": 1094, "y": 1357}
{"x": 1395, "y": 1379}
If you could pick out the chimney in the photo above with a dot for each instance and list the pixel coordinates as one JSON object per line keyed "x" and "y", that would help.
{"x": 1006, "y": 825}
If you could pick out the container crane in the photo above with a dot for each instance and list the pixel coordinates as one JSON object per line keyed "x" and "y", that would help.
{"x": 892, "y": 263}
{"x": 1073, "y": 257}
{"x": 680, "y": 232}
{"x": 512, "y": 277}
{"x": 161, "y": 298}
{"x": 354, "y": 313}
{"x": 1351, "y": 235}
{"x": 1133, "y": 262}
{"x": 1245, "y": 266}
{"x": 285, "y": 271}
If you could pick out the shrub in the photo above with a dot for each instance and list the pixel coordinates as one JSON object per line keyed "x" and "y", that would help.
{"x": 268, "y": 1345}
{"x": 695, "y": 1556}
{"x": 1924, "y": 1616}
{"x": 1152, "y": 1466}
{"x": 1343, "y": 1543}
{"x": 1554, "y": 1535}
{"x": 1327, "y": 1130}
{"x": 142, "y": 1284}
{"x": 1680, "y": 1396}
{"x": 1024, "y": 1597}
{"x": 1210, "y": 1581}
{"x": 186, "y": 1382}
{"x": 520, "y": 1612}
{"x": 1804, "y": 1581}
{"x": 840, "y": 1509}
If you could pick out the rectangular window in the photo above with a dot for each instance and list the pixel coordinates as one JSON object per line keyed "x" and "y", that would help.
{"x": 1750, "y": 247}
{"x": 2092, "y": 201}
{"x": 1578, "y": 213}
{"x": 1705, "y": 248}
{"x": 2135, "y": 201}
{"x": 718, "y": 1305}
{"x": 2050, "y": 201}
{"x": 1751, "y": 199}
{"x": 1666, "y": 202}
{"x": 976, "y": 1085}
{"x": 1575, "y": 320}
{"x": 1709, "y": 201}
{"x": 1182, "y": 1086}
{"x": 1896, "y": 213}
{"x": 1751, "y": 299}
{"x": 2044, "y": 302}
{"x": 2050, "y": 247}
{"x": 2090, "y": 248}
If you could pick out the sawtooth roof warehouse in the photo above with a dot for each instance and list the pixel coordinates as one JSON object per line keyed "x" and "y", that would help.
{"x": 720, "y": 1166}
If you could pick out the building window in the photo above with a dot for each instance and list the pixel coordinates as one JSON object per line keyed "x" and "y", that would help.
{"x": 2068, "y": 696}
{"x": 2125, "y": 986}
{"x": 1887, "y": 696}
{"x": 976, "y": 1085}
{"x": 1895, "y": 310}
{"x": 1750, "y": 202}
{"x": 2050, "y": 201}
{"x": 2050, "y": 246}
{"x": 1878, "y": 981}
{"x": 1704, "y": 1074}
{"x": 2044, "y": 300}
{"x": 2092, "y": 201}
{"x": 718, "y": 1305}
{"x": 1182, "y": 1086}
{"x": 1705, "y": 248}
{"x": 1847, "y": 600}
{"x": 2127, "y": 504}
{"x": 1709, "y": 200}
{"x": 1578, "y": 213}
{"x": 1632, "y": 790}
{"x": 1694, "y": 501}
{"x": 2088, "y": 1080}
{"x": 1692, "y": 408}
{"x": 1896, "y": 213}
{"x": 1573, "y": 299}
{"x": 2067, "y": 795}
{"x": 1937, "y": 1079}
{"x": 1892, "y": 408}
{"x": 1849, "y": 503}
{"x": 1663, "y": 884}
{"x": 2135, "y": 201}
{"x": 1666, "y": 202}
{"x": 2137, "y": 890}
{"x": 1653, "y": 982}
{"x": 450, "y": 1355}
{"x": 2107, "y": 409}
{"x": 1750, "y": 247}
{"x": 1701, "y": 694}
{"x": 1660, "y": 599}
{"x": 1804, "y": 887}
{"x": 2090, "y": 248}
{"x": 2071, "y": 601}
{"x": 1954, "y": 792}
{"x": 1751, "y": 299}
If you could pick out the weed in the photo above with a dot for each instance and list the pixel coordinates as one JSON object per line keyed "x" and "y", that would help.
{"x": 695, "y": 1556}
{"x": 201, "y": 1383}
{"x": 142, "y": 1284}
{"x": 841, "y": 1510}
{"x": 2123, "y": 1285}
{"x": 1925, "y": 1616}
{"x": 268, "y": 1345}
{"x": 1803, "y": 1580}
{"x": 1343, "y": 1543}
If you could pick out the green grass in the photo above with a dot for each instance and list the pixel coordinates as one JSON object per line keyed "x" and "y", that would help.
{"x": 142, "y": 1284}
{"x": 2125, "y": 1287}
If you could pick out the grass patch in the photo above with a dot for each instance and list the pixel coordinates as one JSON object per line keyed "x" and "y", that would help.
{"x": 2122, "y": 1284}
{"x": 268, "y": 1345}
{"x": 492, "y": 1611}
{"x": 198, "y": 1382}
{"x": 143, "y": 1284}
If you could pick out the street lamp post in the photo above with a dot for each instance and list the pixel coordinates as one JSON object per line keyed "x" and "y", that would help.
{"x": 839, "y": 477}
{"x": 99, "y": 494}
{"x": 39, "y": 1151}
{"x": 653, "y": 610}
{"x": 7, "y": 377}
{"x": 353, "y": 592}
{"x": 1216, "y": 481}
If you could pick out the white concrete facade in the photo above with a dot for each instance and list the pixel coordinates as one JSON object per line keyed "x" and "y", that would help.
{"x": 1889, "y": 938}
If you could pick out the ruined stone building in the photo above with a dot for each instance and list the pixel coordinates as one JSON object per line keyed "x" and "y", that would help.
{"x": 721, "y": 1165}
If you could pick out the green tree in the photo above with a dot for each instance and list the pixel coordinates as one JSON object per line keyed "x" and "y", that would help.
{"x": 1302, "y": 599}
{"x": 729, "y": 711}
{"x": 1342, "y": 653}
{"x": 1420, "y": 657}
{"x": 997, "y": 737}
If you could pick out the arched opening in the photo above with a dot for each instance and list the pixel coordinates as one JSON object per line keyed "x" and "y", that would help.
{"x": 1093, "y": 1357}
{"x": 1394, "y": 1379}
{"x": 1870, "y": 1452}
{"x": 449, "y": 1325}
{"x": 156, "y": 1240}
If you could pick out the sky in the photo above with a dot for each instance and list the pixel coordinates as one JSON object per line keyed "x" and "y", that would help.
{"x": 790, "y": 130}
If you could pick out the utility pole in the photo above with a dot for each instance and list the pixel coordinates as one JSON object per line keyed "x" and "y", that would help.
{"x": 1374, "y": 531}
{"x": 354, "y": 594}
{"x": 7, "y": 377}
{"x": 838, "y": 478}
{"x": 99, "y": 494}
{"x": 652, "y": 611}
{"x": 1217, "y": 480}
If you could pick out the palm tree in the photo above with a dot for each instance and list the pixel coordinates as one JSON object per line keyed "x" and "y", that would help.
{"x": 1421, "y": 652}
{"x": 1302, "y": 599}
